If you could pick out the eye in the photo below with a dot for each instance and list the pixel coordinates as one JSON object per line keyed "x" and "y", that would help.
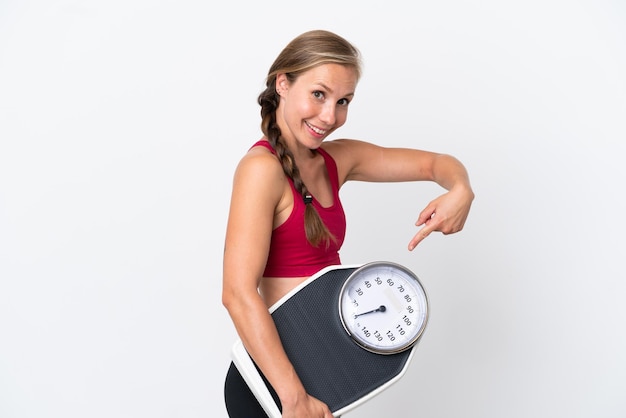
{"x": 343, "y": 102}
{"x": 318, "y": 94}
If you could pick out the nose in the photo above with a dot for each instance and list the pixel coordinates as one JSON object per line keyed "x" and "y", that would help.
{"x": 328, "y": 113}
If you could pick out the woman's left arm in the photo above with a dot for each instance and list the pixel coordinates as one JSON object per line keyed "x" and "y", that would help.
{"x": 363, "y": 161}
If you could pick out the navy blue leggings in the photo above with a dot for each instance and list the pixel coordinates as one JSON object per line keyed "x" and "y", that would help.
{"x": 240, "y": 401}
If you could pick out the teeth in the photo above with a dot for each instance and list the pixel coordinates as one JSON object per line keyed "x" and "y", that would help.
{"x": 319, "y": 131}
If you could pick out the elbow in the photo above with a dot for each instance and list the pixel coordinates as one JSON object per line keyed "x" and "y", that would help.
{"x": 234, "y": 299}
{"x": 228, "y": 298}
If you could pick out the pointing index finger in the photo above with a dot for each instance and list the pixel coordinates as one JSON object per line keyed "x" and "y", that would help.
{"x": 419, "y": 237}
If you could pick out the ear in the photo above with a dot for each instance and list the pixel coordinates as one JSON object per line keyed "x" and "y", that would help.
{"x": 282, "y": 84}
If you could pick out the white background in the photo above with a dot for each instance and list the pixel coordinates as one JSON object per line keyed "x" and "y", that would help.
{"x": 121, "y": 122}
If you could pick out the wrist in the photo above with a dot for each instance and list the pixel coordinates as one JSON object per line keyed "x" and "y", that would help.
{"x": 464, "y": 188}
{"x": 291, "y": 391}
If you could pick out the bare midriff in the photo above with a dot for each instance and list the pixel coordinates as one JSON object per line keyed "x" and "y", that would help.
{"x": 274, "y": 288}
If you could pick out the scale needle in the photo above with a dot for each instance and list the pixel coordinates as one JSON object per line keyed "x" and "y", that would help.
{"x": 381, "y": 308}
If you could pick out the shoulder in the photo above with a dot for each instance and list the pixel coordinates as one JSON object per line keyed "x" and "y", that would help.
{"x": 345, "y": 148}
{"x": 259, "y": 166}
{"x": 350, "y": 155}
{"x": 258, "y": 160}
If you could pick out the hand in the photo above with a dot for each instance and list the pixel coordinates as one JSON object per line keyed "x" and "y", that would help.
{"x": 308, "y": 407}
{"x": 446, "y": 214}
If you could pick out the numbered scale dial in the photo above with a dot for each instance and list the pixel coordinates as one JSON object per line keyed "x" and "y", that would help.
{"x": 383, "y": 307}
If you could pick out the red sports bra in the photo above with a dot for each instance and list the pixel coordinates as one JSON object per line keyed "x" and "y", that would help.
{"x": 291, "y": 255}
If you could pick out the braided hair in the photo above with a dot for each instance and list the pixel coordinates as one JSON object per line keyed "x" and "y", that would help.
{"x": 306, "y": 51}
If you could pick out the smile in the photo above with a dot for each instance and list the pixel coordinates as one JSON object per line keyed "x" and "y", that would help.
{"x": 315, "y": 129}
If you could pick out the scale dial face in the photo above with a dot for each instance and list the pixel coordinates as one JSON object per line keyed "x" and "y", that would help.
{"x": 383, "y": 307}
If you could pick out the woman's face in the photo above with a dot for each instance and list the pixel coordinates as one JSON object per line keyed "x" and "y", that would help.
{"x": 315, "y": 104}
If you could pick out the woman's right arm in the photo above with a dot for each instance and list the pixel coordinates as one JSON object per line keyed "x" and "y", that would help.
{"x": 257, "y": 191}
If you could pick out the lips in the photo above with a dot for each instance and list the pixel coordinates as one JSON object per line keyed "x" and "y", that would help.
{"x": 316, "y": 129}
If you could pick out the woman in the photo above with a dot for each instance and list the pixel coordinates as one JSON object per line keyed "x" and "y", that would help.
{"x": 286, "y": 221}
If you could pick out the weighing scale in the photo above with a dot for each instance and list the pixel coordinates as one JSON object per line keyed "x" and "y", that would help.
{"x": 349, "y": 331}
